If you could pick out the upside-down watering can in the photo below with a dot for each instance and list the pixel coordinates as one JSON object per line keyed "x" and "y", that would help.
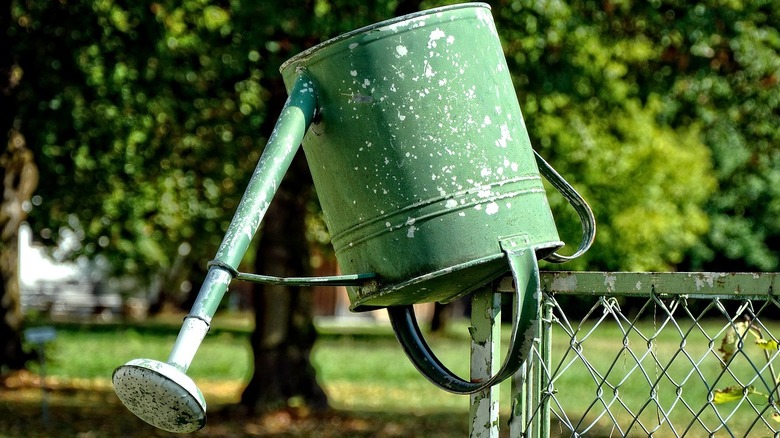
{"x": 427, "y": 181}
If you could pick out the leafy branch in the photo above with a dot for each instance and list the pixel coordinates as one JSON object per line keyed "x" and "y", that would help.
{"x": 729, "y": 346}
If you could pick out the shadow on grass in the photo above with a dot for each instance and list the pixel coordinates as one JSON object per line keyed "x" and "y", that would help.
{"x": 89, "y": 409}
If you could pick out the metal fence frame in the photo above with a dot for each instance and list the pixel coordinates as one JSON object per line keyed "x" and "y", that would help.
{"x": 536, "y": 396}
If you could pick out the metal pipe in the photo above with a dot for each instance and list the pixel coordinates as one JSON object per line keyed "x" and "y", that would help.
{"x": 161, "y": 393}
{"x": 282, "y": 145}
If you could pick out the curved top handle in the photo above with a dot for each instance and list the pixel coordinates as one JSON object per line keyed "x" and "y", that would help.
{"x": 525, "y": 271}
{"x": 587, "y": 219}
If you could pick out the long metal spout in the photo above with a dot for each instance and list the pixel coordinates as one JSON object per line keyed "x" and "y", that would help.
{"x": 161, "y": 393}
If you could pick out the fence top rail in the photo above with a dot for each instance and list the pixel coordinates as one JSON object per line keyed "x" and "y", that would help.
{"x": 743, "y": 285}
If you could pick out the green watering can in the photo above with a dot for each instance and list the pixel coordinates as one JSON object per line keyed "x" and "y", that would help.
{"x": 427, "y": 181}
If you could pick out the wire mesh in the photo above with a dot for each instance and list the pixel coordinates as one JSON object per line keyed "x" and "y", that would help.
{"x": 660, "y": 365}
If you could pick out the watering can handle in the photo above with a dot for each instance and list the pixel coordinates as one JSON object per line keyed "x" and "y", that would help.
{"x": 525, "y": 271}
{"x": 587, "y": 219}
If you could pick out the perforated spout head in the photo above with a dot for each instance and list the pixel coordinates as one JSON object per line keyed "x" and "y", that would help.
{"x": 161, "y": 395}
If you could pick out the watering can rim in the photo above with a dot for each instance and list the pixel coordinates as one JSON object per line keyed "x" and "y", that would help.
{"x": 365, "y": 29}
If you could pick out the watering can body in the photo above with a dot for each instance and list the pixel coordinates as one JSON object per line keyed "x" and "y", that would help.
{"x": 420, "y": 156}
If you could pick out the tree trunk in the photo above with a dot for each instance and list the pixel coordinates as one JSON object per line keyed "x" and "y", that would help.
{"x": 20, "y": 177}
{"x": 284, "y": 332}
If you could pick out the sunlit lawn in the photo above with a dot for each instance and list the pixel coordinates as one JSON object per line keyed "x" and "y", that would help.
{"x": 365, "y": 370}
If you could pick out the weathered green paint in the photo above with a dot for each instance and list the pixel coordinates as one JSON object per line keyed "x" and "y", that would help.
{"x": 420, "y": 155}
{"x": 282, "y": 145}
{"x": 692, "y": 284}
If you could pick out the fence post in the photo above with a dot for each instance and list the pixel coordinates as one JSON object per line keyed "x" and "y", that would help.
{"x": 543, "y": 366}
{"x": 530, "y": 416}
{"x": 485, "y": 333}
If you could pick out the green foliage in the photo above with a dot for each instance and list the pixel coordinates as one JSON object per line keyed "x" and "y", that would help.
{"x": 147, "y": 119}
{"x": 138, "y": 155}
{"x": 578, "y": 68}
{"x": 729, "y": 72}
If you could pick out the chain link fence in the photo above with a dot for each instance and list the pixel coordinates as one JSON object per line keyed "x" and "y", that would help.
{"x": 649, "y": 354}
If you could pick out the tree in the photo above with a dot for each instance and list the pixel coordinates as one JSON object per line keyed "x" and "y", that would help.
{"x": 20, "y": 177}
{"x": 705, "y": 74}
{"x": 579, "y": 68}
{"x": 146, "y": 121}
{"x": 725, "y": 62}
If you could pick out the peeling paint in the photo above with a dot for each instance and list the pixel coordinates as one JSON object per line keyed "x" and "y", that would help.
{"x": 706, "y": 279}
{"x": 564, "y": 282}
{"x": 609, "y": 282}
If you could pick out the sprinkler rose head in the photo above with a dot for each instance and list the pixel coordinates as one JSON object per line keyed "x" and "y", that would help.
{"x": 161, "y": 395}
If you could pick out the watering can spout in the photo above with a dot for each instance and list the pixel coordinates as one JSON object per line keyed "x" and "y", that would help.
{"x": 161, "y": 393}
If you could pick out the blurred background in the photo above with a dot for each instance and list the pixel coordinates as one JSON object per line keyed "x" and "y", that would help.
{"x": 132, "y": 128}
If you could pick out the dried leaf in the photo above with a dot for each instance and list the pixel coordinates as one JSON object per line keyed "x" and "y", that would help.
{"x": 728, "y": 346}
{"x": 732, "y": 393}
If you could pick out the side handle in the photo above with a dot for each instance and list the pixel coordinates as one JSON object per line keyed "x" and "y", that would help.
{"x": 525, "y": 271}
{"x": 587, "y": 219}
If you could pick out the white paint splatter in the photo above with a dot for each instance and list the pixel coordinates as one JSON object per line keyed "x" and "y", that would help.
{"x": 505, "y": 136}
{"x": 353, "y": 72}
{"x": 429, "y": 73}
{"x": 451, "y": 203}
{"x": 435, "y": 35}
{"x": 353, "y": 45}
{"x": 410, "y": 231}
{"x": 491, "y": 208}
{"x": 401, "y": 50}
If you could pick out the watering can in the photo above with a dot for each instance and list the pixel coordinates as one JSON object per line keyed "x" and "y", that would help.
{"x": 427, "y": 182}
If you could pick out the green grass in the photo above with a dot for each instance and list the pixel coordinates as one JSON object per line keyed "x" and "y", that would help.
{"x": 366, "y": 370}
